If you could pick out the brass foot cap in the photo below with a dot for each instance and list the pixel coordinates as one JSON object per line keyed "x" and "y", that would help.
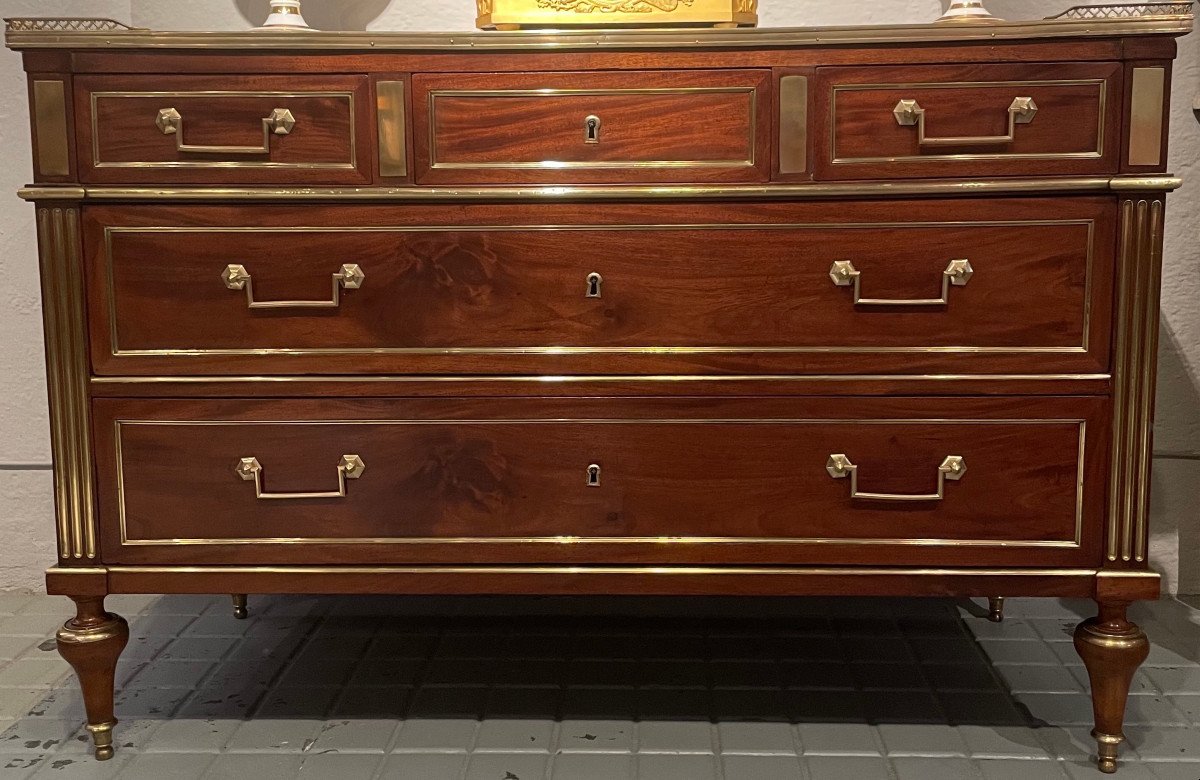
{"x": 105, "y": 753}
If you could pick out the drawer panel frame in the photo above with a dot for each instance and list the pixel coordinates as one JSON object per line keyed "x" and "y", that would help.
{"x": 1088, "y": 414}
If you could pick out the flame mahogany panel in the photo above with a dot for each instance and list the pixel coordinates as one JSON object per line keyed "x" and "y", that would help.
{"x": 656, "y": 126}
{"x": 1077, "y": 128}
{"x": 502, "y": 289}
{"x": 120, "y": 143}
{"x": 681, "y": 481}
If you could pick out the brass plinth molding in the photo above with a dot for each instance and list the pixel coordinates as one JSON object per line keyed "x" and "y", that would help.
{"x": 668, "y": 192}
{"x": 1135, "y": 364}
{"x": 67, "y": 379}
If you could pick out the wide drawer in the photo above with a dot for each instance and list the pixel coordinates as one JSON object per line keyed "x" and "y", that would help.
{"x": 822, "y": 480}
{"x": 968, "y": 120}
{"x": 626, "y": 127}
{"x": 1003, "y": 286}
{"x": 224, "y": 130}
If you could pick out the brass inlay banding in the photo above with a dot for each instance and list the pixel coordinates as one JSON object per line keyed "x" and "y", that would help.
{"x": 1073, "y": 543}
{"x": 705, "y": 571}
{"x": 593, "y": 379}
{"x": 748, "y": 162}
{"x": 96, "y": 97}
{"x": 1082, "y": 348}
{"x": 583, "y": 193}
{"x": 1101, "y": 120}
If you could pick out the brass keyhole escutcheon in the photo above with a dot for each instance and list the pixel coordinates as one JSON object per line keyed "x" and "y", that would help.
{"x": 593, "y": 476}
{"x": 595, "y": 284}
{"x": 591, "y": 129}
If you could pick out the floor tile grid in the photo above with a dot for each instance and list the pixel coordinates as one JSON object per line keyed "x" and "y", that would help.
{"x": 900, "y": 764}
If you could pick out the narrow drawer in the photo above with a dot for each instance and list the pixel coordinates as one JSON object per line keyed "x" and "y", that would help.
{"x": 824, "y": 480}
{"x": 996, "y": 287}
{"x": 224, "y": 130}
{"x": 648, "y": 126}
{"x": 977, "y": 120}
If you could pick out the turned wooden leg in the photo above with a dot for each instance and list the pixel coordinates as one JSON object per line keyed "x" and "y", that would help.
{"x": 1112, "y": 648}
{"x": 240, "y": 609}
{"x": 996, "y": 609}
{"x": 91, "y": 643}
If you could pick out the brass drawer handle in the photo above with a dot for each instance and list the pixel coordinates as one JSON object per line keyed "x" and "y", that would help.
{"x": 351, "y": 277}
{"x": 280, "y": 122}
{"x": 952, "y": 468}
{"x": 957, "y": 273}
{"x": 349, "y": 467}
{"x": 1021, "y": 112}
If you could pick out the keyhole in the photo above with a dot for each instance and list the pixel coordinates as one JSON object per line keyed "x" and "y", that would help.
{"x": 591, "y": 132}
{"x": 593, "y": 476}
{"x": 594, "y": 281}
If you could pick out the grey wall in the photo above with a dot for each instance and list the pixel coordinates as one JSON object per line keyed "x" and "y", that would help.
{"x": 26, "y": 525}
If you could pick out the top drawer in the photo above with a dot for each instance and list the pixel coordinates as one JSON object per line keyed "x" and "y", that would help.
{"x": 968, "y": 120}
{"x": 564, "y": 128}
{"x": 224, "y": 130}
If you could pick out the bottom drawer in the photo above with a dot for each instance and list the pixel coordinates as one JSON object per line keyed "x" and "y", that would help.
{"x": 962, "y": 481}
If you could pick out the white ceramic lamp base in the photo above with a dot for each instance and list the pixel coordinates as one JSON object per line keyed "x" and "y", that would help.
{"x": 285, "y": 15}
{"x": 968, "y": 11}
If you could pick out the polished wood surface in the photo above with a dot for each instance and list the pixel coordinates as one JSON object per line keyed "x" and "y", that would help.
{"x": 710, "y": 371}
{"x": 91, "y": 643}
{"x": 1076, "y": 130}
{"x": 506, "y": 288}
{"x": 654, "y": 126}
{"x": 120, "y": 142}
{"x": 497, "y": 481}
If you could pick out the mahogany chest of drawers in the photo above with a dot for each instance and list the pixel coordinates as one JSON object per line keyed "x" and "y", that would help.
{"x": 780, "y": 312}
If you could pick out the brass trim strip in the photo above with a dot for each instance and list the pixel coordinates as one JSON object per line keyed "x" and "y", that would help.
{"x": 534, "y": 193}
{"x": 560, "y": 40}
{"x": 67, "y": 371}
{"x": 366, "y": 378}
{"x": 1101, "y": 121}
{"x": 436, "y": 164}
{"x": 117, "y": 351}
{"x": 1146, "y": 116}
{"x": 793, "y": 124}
{"x": 96, "y": 97}
{"x": 51, "y": 128}
{"x": 391, "y": 111}
{"x": 1135, "y": 362}
{"x": 1075, "y": 543}
{"x": 796, "y": 571}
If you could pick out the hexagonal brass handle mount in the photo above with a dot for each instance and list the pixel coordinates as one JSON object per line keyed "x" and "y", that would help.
{"x": 280, "y": 122}
{"x": 1022, "y": 111}
{"x": 349, "y": 467}
{"x": 953, "y": 468}
{"x": 957, "y": 273}
{"x": 350, "y": 277}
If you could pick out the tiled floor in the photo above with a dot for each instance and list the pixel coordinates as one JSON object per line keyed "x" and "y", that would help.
{"x": 425, "y": 689}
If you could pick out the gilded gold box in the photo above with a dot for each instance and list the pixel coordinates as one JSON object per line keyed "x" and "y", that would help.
{"x": 518, "y": 14}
